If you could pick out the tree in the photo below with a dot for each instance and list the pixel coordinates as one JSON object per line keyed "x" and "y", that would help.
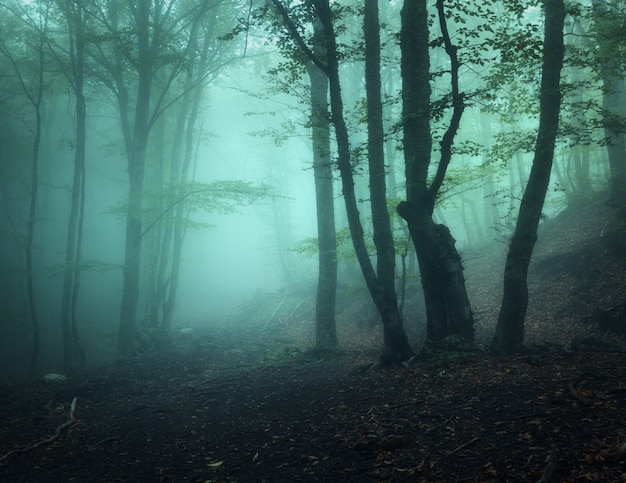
{"x": 207, "y": 57}
{"x": 73, "y": 353}
{"x": 143, "y": 49}
{"x": 325, "y": 323}
{"x": 395, "y": 344}
{"x": 33, "y": 85}
{"x": 448, "y": 310}
{"x": 509, "y": 336}
{"x": 381, "y": 223}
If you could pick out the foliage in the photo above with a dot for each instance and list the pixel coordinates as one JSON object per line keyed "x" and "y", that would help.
{"x": 309, "y": 246}
{"x": 222, "y": 197}
{"x": 84, "y": 266}
{"x": 345, "y": 250}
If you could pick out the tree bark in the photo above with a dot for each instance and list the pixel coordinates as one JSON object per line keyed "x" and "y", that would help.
{"x": 73, "y": 354}
{"x": 383, "y": 238}
{"x": 325, "y": 315}
{"x": 136, "y": 168}
{"x": 509, "y": 336}
{"x": 396, "y": 347}
{"x": 448, "y": 310}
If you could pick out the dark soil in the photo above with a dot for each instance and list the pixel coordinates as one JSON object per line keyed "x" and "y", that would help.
{"x": 207, "y": 415}
{"x": 253, "y": 405}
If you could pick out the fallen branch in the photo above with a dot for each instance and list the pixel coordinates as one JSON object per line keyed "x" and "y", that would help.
{"x": 273, "y": 316}
{"x": 572, "y": 389}
{"x": 431, "y": 429}
{"x": 102, "y": 441}
{"x": 583, "y": 400}
{"x": 71, "y": 420}
{"x": 294, "y": 311}
{"x": 463, "y": 446}
{"x": 405, "y": 403}
{"x": 550, "y": 467}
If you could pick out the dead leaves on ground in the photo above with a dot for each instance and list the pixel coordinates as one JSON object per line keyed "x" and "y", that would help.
{"x": 487, "y": 420}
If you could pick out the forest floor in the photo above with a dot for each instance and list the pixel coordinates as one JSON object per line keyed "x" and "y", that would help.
{"x": 249, "y": 403}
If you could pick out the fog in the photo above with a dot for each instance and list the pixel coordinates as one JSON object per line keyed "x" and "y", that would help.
{"x": 253, "y": 127}
{"x": 227, "y": 257}
{"x": 243, "y": 247}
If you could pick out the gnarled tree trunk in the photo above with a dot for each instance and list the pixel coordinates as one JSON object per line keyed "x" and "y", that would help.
{"x": 448, "y": 310}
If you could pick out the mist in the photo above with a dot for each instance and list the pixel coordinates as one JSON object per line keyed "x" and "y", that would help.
{"x": 199, "y": 179}
{"x": 312, "y": 241}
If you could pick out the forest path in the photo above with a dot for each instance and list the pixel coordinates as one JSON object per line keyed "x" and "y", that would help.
{"x": 213, "y": 414}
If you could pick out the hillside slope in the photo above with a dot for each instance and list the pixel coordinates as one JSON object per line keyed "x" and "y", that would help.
{"x": 575, "y": 274}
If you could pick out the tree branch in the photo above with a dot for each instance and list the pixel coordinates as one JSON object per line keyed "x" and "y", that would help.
{"x": 458, "y": 106}
{"x": 293, "y": 30}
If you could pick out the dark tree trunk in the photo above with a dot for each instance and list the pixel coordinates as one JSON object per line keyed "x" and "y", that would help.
{"x": 181, "y": 213}
{"x": 448, "y": 310}
{"x": 35, "y": 99}
{"x": 509, "y": 336}
{"x": 383, "y": 238}
{"x": 136, "y": 168}
{"x": 30, "y": 235}
{"x": 325, "y": 322}
{"x": 396, "y": 346}
{"x": 73, "y": 354}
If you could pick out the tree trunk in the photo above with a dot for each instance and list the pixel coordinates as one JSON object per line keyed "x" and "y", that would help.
{"x": 73, "y": 354}
{"x": 396, "y": 346}
{"x": 36, "y": 101}
{"x": 30, "y": 236}
{"x": 509, "y": 336}
{"x": 136, "y": 167}
{"x": 325, "y": 322}
{"x": 383, "y": 238}
{"x": 448, "y": 310}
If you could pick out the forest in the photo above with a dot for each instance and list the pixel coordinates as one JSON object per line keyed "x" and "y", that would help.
{"x": 312, "y": 240}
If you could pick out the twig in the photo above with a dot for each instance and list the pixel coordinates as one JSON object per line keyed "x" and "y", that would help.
{"x": 431, "y": 429}
{"x": 572, "y": 389}
{"x": 273, "y": 316}
{"x": 105, "y": 440}
{"x": 71, "y": 420}
{"x": 550, "y": 467}
{"x": 463, "y": 446}
{"x": 406, "y": 403}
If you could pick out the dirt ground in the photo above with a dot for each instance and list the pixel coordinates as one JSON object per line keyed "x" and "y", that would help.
{"x": 215, "y": 413}
{"x": 250, "y": 405}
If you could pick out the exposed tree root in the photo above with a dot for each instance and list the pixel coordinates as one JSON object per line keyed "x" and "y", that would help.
{"x": 62, "y": 427}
